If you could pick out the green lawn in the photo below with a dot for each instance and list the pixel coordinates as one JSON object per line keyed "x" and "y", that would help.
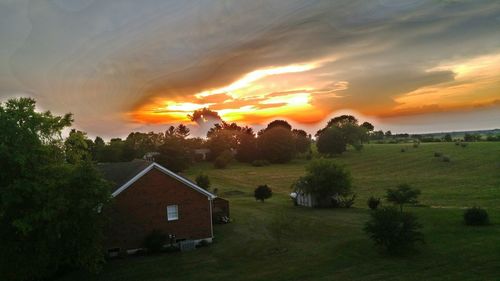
{"x": 329, "y": 244}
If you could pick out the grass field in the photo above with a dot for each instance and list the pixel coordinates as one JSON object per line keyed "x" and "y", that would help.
{"x": 329, "y": 244}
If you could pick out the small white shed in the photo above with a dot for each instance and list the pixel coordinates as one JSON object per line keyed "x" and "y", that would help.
{"x": 303, "y": 199}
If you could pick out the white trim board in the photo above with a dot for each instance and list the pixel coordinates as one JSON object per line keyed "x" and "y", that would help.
{"x": 167, "y": 172}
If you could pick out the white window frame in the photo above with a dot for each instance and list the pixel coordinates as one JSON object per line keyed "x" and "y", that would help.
{"x": 172, "y": 212}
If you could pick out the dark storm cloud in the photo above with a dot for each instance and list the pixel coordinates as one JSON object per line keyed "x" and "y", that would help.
{"x": 101, "y": 59}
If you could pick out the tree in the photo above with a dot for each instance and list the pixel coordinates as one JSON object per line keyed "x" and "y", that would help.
{"x": 346, "y": 127}
{"x": 404, "y": 194}
{"x": 49, "y": 207}
{"x": 394, "y": 230}
{"x": 223, "y": 159}
{"x": 174, "y": 154}
{"x": 368, "y": 126}
{"x": 76, "y": 147}
{"x": 448, "y": 138}
{"x": 324, "y": 180}
{"x": 276, "y": 145}
{"x": 203, "y": 181}
{"x": 262, "y": 192}
{"x": 302, "y": 141}
{"x": 247, "y": 148}
{"x": 331, "y": 141}
{"x": 279, "y": 123}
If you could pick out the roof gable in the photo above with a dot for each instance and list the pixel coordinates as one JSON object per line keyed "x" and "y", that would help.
{"x": 142, "y": 169}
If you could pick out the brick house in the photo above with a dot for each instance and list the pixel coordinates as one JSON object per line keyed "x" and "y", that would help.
{"x": 150, "y": 197}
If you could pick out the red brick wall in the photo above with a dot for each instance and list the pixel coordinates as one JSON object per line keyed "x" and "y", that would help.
{"x": 142, "y": 207}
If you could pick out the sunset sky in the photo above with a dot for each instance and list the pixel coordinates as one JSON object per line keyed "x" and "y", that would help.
{"x": 407, "y": 66}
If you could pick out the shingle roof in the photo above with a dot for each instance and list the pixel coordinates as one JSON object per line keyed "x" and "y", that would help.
{"x": 121, "y": 172}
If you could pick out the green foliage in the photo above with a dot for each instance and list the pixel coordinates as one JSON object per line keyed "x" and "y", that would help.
{"x": 76, "y": 147}
{"x": 446, "y": 158}
{"x": 302, "y": 141}
{"x": 247, "y": 148}
{"x": 277, "y": 145}
{"x": 223, "y": 160}
{"x": 403, "y": 194}
{"x": 331, "y": 141}
{"x": 174, "y": 154}
{"x": 447, "y": 138}
{"x": 324, "y": 179}
{"x": 155, "y": 241}
{"x": 262, "y": 192}
{"x": 49, "y": 207}
{"x": 396, "y": 231}
{"x": 438, "y": 154}
{"x": 476, "y": 216}
{"x": 343, "y": 201}
{"x": 203, "y": 181}
{"x": 373, "y": 202}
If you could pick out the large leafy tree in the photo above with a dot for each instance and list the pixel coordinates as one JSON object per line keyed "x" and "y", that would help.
{"x": 324, "y": 180}
{"x": 346, "y": 127}
{"x": 331, "y": 141}
{"x": 77, "y": 147}
{"x": 49, "y": 207}
{"x": 277, "y": 144}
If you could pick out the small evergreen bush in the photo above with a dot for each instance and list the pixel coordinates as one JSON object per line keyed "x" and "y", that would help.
{"x": 373, "y": 203}
{"x": 476, "y": 216}
{"x": 263, "y": 192}
{"x": 203, "y": 181}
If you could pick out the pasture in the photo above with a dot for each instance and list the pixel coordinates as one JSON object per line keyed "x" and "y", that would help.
{"x": 329, "y": 244}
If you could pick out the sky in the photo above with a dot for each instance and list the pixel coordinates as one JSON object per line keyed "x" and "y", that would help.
{"x": 123, "y": 65}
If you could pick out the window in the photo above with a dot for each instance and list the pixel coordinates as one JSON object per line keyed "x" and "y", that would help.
{"x": 172, "y": 213}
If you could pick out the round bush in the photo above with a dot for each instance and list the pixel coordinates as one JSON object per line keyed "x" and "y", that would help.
{"x": 396, "y": 231}
{"x": 203, "y": 181}
{"x": 438, "y": 154}
{"x": 446, "y": 158}
{"x": 263, "y": 192}
{"x": 373, "y": 203}
{"x": 476, "y": 216}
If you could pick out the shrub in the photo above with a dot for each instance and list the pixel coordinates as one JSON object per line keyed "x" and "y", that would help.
{"x": 216, "y": 191}
{"x": 416, "y": 144}
{"x": 343, "y": 201}
{"x": 203, "y": 181}
{"x": 476, "y": 216}
{"x": 263, "y": 192}
{"x": 438, "y": 154}
{"x": 464, "y": 144}
{"x": 260, "y": 163}
{"x": 358, "y": 146}
{"x": 154, "y": 241}
{"x": 404, "y": 194}
{"x": 403, "y": 150}
{"x": 396, "y": 231}
{"x": 457, "y": 143}
{"x": 223, "y": 159}
{"x": 373, "y": 202}
{"x": 446, "y": 158}
{"x": 324, "y": 179}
